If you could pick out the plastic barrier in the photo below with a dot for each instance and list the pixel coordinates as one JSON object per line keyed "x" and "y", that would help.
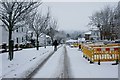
{"x": 101, "y": 54}
{"x": 102, "y": 45}
{"x": 76, "y": 44}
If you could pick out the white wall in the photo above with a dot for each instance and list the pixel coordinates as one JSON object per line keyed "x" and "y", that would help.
{"x": 42, "y": 40}
{"x": 95, "y": 34}
{"x": 20, "y": 34}
{"x": 4, "y": 35}
{"x": 0, "y": 35}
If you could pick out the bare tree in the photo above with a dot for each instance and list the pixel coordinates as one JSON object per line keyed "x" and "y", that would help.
{"x": 117, "y": 20}
{"x": 38, "y": 23}
{"x": 52, "y": 30}
{"x": 13, "y": 14}
{"x": 103, "y": 20}
{"x": 96, "y": 21}
{"x": 60, "y": 36}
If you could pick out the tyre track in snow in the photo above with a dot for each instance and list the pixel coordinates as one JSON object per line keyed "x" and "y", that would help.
{"x": 66, "y": 71}
{"x": 29, "y": 77}
{"x": 66, "y": 64}
{"x": 60, "y": 65}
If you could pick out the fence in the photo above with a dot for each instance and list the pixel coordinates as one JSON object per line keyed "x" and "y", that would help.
{"x": 101, "y": 53}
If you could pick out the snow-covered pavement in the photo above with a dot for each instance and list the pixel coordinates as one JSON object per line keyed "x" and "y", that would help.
{"x": 24, "y": 62}
{"x": 81, "y": 68}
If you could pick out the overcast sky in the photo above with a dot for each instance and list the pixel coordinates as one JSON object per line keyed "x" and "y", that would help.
{"x": 74, "y": 15}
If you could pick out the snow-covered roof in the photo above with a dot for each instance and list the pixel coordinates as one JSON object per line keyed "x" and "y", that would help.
{"x": 81, "y": 39}
{"x": 71, "y": 40}
{"x": 30, "y": 31}
{"x": 88, "y": 32}
{"x": 44, "y": 35}
{"x": 94, "y": 29}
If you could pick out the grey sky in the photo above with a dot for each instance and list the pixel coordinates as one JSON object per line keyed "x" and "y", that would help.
{"x": 74, "y": 15}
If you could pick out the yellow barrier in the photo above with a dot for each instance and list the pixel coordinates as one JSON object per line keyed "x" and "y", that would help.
{"x": 88, "y": 52}
{"x": 76, "y": 44}
{"x": 96, "y": 54}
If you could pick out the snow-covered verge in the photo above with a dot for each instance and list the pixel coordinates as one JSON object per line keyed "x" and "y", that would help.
{"x": 0, "y": 66}
{"x": 81, "y": 68}
{"x": 24, "y": 62}
{"x": 1, "y": 50}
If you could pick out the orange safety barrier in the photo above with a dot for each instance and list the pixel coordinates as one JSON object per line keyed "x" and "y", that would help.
{"x": 96, "y": 54}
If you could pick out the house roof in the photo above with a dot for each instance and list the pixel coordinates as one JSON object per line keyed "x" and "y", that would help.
{"x": 89, "y": 32}
{"x": 71, "y": 40}
{"x": 81, "y": 39}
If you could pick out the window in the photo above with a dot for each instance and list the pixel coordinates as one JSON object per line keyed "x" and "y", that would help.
{"x": 22, "y": 39}
{"x": 17, "y": 30}
{"x": 17, "y": 40}
{"x": 22, "y": 29}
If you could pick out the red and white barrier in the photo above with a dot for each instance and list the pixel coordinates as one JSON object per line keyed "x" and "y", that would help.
{"x": 106, "y": 48}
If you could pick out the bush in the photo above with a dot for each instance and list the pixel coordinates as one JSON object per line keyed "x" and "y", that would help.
{"x": 4, "y": 46}
{"x": 22, "y": 46}
{"x": 16, "y": 46}
{"x": 28, "y": 45}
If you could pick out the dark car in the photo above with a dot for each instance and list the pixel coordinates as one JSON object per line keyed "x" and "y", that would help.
{"x": 117, "y": 41}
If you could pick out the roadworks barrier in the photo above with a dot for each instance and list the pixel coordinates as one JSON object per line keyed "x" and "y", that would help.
{"x": 101, "y": 53}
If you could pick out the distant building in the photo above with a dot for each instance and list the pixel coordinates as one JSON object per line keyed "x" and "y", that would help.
{"x": 80, "y": 40}
{"x": 93, "y": 34}
{"x": 87, "y": 35}
{"x": 71, "y": 41}
{"x": 43, "y": 39}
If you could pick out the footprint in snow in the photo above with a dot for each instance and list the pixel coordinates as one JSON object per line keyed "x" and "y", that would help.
{"x": 34, "y": 58}
{"x": 8, "y": 66}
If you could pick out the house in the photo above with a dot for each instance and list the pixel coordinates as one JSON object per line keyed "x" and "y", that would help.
{"x": 81, "y": 40}
{"x": 87, "y": 35}
{"x": 19, "y": 35}
{"x": 93, "y": 34}
{"x": 43, "y": 39}
{"x": 22, "y": 35}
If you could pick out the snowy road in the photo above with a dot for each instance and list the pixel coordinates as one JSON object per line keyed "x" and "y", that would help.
{"x": 54, "y": 67}
{"x": 81, "y": 68}
{"x": 66, "y": 62}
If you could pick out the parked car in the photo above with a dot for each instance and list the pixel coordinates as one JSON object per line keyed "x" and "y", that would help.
{"x": 117, "y": 41}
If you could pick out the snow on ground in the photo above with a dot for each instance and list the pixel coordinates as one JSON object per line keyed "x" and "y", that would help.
{"x": 26, "y": 60}
{"x": 1, "y": 50}
{"x": 81, "y": 68}
{"x": 0, "y": 66}
{"x": 53, "y": 67}
{"x": 119, "y": 71}
{"x": 23, "y": 63}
